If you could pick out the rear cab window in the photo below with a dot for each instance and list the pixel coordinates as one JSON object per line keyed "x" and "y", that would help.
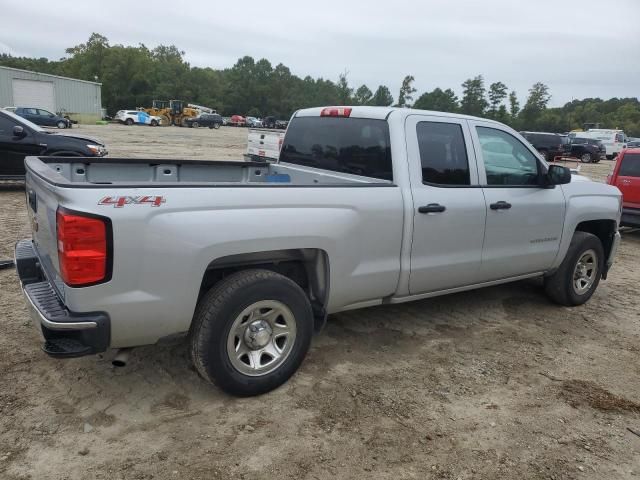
{"x": 359, "y": 146}
{"x": 630, "y": 166}
{"x": 443, "y": 154}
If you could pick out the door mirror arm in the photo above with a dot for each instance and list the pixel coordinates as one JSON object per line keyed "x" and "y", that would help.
{"x": 556, "y": 175}
{"x": 19, "y": 132}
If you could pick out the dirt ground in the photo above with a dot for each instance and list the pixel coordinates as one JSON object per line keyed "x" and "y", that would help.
{"x": 492, "y": 384}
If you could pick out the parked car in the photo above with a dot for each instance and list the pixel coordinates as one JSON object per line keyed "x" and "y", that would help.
{"x": 614, "y": 140}
{"x": 253, "y": 122}
{"x": 549, "y": 145}
{"x": 588, "y": 150}
{"x": 626, "y": 176}
{"x": 238, "y": 121}
{"x": 269, "y": 122}
{"x": 633, "y": 144}
{"x": 282, "y": 124}
{"x": 249, "y": 258}
{"x": 211, "y": 120}
{"x": 226, "y": 121}
{"x": 20, "y": 138}
{"x": 129, "y": 117}
{"x": 43, "y": 117}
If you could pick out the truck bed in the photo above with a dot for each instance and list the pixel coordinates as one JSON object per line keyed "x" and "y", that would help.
{"x": 77, "y": 172}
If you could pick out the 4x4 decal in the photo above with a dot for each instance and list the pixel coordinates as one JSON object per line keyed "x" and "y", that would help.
{"x": 119, "y": 202}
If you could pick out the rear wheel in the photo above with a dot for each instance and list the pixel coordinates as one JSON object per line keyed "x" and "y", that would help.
{"x": 579, "y": 274}
{"x": 251, "y": 332}
{"x": 586, "y": 158}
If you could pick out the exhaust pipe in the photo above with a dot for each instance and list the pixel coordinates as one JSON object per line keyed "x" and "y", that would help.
{"x": 122, "y": 357}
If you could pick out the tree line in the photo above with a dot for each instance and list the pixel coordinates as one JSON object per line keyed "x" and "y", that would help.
{"x": 133, "y": 76}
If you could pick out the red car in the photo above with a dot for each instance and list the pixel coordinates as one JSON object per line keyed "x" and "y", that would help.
{"x": 238, "y": 121}
{"x": 626, "y": 176}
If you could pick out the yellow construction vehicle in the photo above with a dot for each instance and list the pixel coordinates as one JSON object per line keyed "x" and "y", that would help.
{"x": 172, "y": 112}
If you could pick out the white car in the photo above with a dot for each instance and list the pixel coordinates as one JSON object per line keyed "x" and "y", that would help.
{"x": 129, "y": 117}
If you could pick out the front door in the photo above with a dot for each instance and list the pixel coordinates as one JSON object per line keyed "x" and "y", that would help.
{"x": 449, "y": 209}
{"x": 13, "y": 149}
{"x": 628, "y": 180}
{"x": 524, "y": 220}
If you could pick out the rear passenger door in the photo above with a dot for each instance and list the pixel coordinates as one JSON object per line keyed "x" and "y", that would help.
{"x": 449, "y": 209}
{"x": 524, "y": 220}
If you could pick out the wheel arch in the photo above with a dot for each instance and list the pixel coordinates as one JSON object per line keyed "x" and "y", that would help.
{"x": 603, "y": 229}
{"x": 307, "y": 267}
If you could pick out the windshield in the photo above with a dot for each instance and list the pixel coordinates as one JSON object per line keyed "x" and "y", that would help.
{"x": 24, "y": 121}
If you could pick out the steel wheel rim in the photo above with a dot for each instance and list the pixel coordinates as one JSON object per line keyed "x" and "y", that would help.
{"x": 261, "y": 338}
{"x": 585, "y": 272}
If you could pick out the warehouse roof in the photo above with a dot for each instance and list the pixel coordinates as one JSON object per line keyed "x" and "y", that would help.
{"x": 49, "y": 75}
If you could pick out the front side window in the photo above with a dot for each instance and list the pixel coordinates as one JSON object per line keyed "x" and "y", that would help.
{"x": 443, "y": 154}
{"x": 630, "y": 165}
{"x": 506, "y": 160}
{"x": 619, "y": 137}
{"x": 360, "y": 146}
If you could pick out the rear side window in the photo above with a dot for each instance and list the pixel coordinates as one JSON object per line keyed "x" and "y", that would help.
{"x": 443, "y": 154}
{"x": 359, "y": 146}
{"x": 630, "y": 165}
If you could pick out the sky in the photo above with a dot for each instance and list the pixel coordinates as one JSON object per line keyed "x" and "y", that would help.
{"x": 579, "y": 48}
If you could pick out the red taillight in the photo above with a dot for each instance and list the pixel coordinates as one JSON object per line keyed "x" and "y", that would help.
{"x": 336, "y": 112}
{"x": 82, "y": 249}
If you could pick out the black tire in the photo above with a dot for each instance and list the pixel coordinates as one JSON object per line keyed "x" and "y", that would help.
{"x": 61, "y": 124}
{"x": 586, "y": 158}
{"x": 216, "y": 313}
{"x": 194, "y": 124}
{"x": 129, "y": 121}
{"x": 560, "y": 286}
{"x": 154, "y": 123}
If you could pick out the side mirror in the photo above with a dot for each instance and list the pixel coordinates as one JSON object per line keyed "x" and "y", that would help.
{"x": 18, "y": 131}
{"x": 558, "y": 175}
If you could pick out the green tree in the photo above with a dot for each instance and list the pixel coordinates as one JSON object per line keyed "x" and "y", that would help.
{"x": 344, "y": 90}
{"x": 438, "y": 100}
{"x": 363, "y": 95}
{"x": 473, "y": 96}
{"x": 514, "y": 105}
{"x": 406, "y": 92}
{"x": 382, "y": 97}
{"x": 497, "y": 94}
{"x": 534, "y": 107}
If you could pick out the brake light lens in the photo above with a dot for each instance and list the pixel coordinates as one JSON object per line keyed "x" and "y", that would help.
{"x": 82, "y": 249}
{"x": 336, "y": 112}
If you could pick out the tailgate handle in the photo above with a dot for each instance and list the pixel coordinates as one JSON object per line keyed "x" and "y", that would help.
{"x": 32, "y": 199}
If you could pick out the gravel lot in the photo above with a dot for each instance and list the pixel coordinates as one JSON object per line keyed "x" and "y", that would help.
{"x": 493, "y": 384}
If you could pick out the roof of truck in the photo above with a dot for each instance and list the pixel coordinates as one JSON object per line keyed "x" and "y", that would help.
{"x": 383, "y": 113}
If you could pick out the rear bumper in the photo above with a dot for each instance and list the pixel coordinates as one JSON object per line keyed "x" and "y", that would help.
{"x": 630, "y": 217}
{"x": 66, "y": 333}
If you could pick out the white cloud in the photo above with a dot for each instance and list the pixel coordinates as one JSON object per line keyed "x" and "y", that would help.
{"x": 579, "y": 48}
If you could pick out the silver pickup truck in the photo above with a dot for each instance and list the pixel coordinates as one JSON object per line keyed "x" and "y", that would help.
{"x": 366, "y": 206}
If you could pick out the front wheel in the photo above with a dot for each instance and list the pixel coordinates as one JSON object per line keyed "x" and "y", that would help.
{"x": 61, "y": 124}
{"x": 586, "y": 158}
{"x": 154, "y": 123}
{"x": 195, "y": 124}
{"x": 579, "y": 274}
{"x": 251, "y": 332}
{"x": 129, "y": 121}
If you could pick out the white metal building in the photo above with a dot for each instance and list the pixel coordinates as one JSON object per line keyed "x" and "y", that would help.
{"x": 79, "y": 99}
